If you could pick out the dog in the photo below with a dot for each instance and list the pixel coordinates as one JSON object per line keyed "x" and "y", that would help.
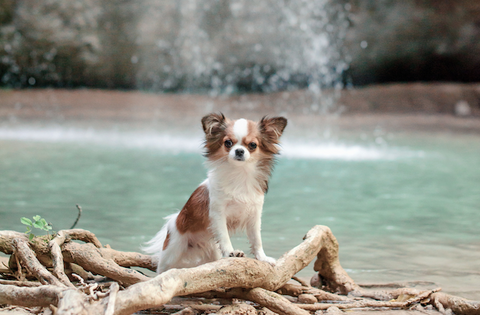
{"x": 240, "y": 156}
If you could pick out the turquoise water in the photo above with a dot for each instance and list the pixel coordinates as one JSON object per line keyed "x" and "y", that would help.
{"x": 405, "y": 210}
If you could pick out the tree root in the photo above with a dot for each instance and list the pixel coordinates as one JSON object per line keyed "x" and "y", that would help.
{"x": 100, "y": 261}
{"x": 30, "y": 296}
{"x": 27, "y": 257}
{"x": 373, "y": 304}
{"x": 50, "y": 260}
{"x": 57, "y": 258}
{"x": 443, "y": 301}
{"x": 320, "y": 295}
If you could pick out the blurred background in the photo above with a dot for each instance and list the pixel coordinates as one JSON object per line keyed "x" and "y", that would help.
{"x": 101, "y": 101}
{"x": 236, "y": 45}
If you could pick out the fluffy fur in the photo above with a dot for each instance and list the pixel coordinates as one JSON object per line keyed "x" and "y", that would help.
{"x": 240, "y": 156}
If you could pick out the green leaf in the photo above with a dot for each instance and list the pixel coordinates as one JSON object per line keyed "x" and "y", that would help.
{"x": 31, "y": 236}
{"x": 44, "y": 224}
{"x": 37, "y": 217}
{"x": 37, "y": 225}
{"x": 26, "y": 221}
{"x": 49, "y": 227}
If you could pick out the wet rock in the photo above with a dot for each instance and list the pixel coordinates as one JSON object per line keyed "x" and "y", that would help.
{"x": 316, "y": 281}
{"x": 463, "y": 109}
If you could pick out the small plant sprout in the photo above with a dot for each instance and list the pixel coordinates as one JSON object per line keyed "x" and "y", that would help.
{"x": 38, "y": 223}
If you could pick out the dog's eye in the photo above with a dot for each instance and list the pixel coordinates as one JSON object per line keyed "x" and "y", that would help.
{"x": 228, "y": 144}
{"x": 252, "y": 145}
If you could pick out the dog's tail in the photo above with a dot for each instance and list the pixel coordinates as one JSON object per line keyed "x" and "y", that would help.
{"x": 155, "y": 245}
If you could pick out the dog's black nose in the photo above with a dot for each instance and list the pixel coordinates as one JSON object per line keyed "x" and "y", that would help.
{"x": 239, "y": 152}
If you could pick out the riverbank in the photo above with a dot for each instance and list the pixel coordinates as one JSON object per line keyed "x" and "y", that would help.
{"x": 394, "y": 108}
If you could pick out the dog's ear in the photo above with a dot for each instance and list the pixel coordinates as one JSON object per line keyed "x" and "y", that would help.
{"x": 272, "y": 127}
{"x": 213, "y": 124}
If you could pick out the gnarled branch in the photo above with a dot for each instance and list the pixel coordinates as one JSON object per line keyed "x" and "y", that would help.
{"x": 241, "y": 278}
{"x": 443, "y": 301}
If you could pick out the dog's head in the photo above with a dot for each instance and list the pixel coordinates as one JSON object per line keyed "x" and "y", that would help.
{"x": 242, "y": 141}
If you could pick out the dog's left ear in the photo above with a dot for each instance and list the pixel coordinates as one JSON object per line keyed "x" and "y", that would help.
{"x": 272, "y": 127}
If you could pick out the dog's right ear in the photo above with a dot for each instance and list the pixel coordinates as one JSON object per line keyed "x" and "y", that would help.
{"x": 214, "y": 124}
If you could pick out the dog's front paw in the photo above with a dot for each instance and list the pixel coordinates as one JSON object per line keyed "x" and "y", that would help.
{"x": 236, "y": 253}
{"x": 269, "y": 260}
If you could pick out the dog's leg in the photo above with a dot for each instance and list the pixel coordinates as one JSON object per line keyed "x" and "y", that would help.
{"x": 218, "y": 226}
{"x": 255, "y": 238}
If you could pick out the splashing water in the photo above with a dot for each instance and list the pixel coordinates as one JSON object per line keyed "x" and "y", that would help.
{"x": 216, "y": 47}
{"x": 250, "y": 45}
{"x": 167, "y": 143}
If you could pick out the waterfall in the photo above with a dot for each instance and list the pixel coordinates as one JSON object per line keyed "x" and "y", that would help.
{"x": 241, "y": 45}
{"x": 214, "y": 46}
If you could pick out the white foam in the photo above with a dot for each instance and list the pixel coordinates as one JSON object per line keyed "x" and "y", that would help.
{"x": 340, "y": 151}
{"x": 104, "y": 137}
{"x": 170, "y": 143}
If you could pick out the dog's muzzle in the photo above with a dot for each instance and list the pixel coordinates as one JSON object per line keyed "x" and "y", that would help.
{"x": 239, "y": 154}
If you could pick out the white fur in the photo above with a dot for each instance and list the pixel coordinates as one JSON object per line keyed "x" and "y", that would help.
{"x": 236, "y": 200}
{"x": 240, "y": 130}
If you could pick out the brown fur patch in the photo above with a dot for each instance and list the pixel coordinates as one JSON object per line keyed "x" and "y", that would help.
{"x": 265, "y": 165}
{"x": 252, "y": 136}
{"x": 270, "y": 130}
{"x": 166, "y": 242}
{"x": 194, "y": 215}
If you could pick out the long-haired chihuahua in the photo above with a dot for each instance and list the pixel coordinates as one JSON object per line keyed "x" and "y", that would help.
{"x": 240, "y": 156}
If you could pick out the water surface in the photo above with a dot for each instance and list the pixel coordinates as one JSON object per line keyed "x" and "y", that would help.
{"x": 403, "y": 207}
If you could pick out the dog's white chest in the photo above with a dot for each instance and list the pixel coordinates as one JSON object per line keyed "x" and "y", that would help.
{"x": 239, "y": 214}
{"x": 239, "y": 183}
{"x": 238, "y": 198}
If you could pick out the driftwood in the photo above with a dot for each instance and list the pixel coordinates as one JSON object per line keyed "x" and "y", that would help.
{"x": 87, "y": 278}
